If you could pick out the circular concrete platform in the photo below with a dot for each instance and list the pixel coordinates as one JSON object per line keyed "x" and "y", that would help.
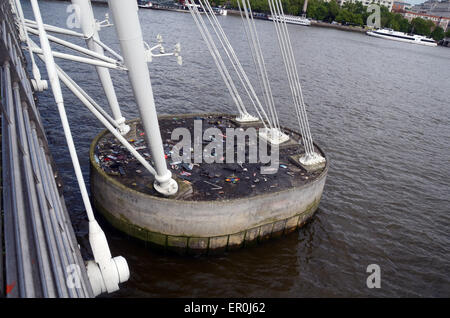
{"x": 219, "y": 206}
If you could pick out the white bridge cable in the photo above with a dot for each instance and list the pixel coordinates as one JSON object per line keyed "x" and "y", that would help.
{"x": 97, "y": 106}
{"x": 255, "y": 62}
{"x": 56, "y": 88}
{"x": 225, "y": 46}
{"x": 297, "y": 81}
{"x": 108, "y": 49}
{"x": 277, "y": 19}
{"x": 216, "y": 55}
{"x": 231, "y": 54}
{"x": 76, "y": 47}
{"x": 289, "y": 61}
{"x": 260, "y": 62}
{"x": 80, "y": 59}
{"x": 255, "y": 57}
{"x": 54, "y": 29}
{"x": 98, "y": 112}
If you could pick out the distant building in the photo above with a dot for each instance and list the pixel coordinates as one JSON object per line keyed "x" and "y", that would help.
{"x": 386, "y": 3}
{"x": 400, "y": 6}
{"x": 433, "y": 7}
{"x": 443, "y": 22}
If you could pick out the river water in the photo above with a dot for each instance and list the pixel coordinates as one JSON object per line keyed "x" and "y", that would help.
{"x": 380, "y": 110}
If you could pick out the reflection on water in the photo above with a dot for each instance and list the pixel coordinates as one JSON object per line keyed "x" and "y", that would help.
{"x": 378, "y": 108}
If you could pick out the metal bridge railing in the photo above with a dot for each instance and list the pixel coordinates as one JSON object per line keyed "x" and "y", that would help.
{"x": 42, "y": 257}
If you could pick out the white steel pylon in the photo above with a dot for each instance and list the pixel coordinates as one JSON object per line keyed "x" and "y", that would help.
{"x": 128, "y": 28}
{"x": 90, "y": 30}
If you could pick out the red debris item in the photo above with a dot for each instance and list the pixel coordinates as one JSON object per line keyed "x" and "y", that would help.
{"x": 10, "y": 287}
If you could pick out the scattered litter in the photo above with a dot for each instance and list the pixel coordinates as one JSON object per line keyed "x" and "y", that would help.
{"x": 216, "y": 187}
{"x": 232, "y": 179}
{"x": 187, "y": 166}
{"x": 208, "y": 181}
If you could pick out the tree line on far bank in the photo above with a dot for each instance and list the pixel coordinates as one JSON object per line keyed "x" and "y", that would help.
{"x": 349, "y": 14}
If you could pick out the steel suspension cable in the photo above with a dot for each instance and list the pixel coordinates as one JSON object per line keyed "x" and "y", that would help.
{"x": 286, "y": 62}
{"x": 296, "y": 78}
{"x": 260, "y": 62}
{"x": 215, "y": 54}
{"x": 279, "y": 21}
{"x": 303, "y": 106}
{"x": 235, "y": 62}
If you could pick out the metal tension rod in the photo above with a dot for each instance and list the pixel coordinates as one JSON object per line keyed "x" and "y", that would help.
{"x": 90, "y": 29}
{"x": 106, "y": 272}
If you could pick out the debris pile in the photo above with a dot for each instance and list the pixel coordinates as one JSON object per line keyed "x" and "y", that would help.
{"x": 209, "y": 181}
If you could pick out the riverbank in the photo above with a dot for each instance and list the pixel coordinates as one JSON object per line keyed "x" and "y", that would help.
{"x": 313, "y": 22}
{"x": 339, "y": 26}
{"x": 445, "y": 42}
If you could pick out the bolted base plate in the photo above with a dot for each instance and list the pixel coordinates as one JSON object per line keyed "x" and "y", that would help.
{"x": 296, "y": 159}
{"x": 170, "y": 188}
{"x": 272, "y": 136}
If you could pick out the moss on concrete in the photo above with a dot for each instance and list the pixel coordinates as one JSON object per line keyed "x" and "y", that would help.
{"x": 210, "y": 245}
{"x": 236, "y": 241}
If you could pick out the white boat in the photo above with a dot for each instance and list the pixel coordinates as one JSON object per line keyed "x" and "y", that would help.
{"x": 402, "y": 37}
{"x": 177, "y": 7}
{"x": 301, "y": 20}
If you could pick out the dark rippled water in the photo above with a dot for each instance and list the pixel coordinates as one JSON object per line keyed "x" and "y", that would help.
{"x": 381, "y": 111}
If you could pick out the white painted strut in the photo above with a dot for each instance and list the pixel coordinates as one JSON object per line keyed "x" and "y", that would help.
{"x": 106, "y": 272}
{"x": 89, "y": 28}
{"x": 38, "y": 84}
{"x": 80, "y": 59}
{"x": 54, "y": 29}
{"x": 126, "y": 22}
